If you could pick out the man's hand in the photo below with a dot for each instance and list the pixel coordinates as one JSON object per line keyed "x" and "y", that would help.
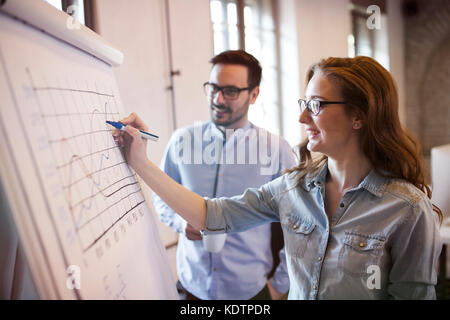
{"x": 192, "y": 233}
{"x": 274, "y": 294}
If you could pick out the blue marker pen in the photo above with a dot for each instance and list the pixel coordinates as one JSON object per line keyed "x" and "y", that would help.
{"x": 144, "y": 134}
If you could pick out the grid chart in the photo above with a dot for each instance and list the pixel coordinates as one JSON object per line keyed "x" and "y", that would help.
{"x": 99, "y": 187}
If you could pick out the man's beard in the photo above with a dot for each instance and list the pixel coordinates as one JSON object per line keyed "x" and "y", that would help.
{"x": 233, "y": 117}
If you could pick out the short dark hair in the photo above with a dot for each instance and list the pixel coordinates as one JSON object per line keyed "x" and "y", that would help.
{"x": 240, "y": 57}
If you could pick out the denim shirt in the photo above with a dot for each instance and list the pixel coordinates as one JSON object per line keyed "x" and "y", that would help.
{"x": 240, "y": 269}
{"x": 382, "y": 242}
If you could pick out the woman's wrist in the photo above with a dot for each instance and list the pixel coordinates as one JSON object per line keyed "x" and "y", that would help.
{"x": 139, "y": 167}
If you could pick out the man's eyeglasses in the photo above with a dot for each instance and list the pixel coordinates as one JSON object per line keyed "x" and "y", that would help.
{"x": 228, "y": 92}
{"x": 314, "y": 106}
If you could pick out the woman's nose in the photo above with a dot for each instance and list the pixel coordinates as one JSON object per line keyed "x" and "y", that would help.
{"x": 305, "y": 117}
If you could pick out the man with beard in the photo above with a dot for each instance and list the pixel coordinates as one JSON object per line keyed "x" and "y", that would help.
{"x": 224, "y": 157}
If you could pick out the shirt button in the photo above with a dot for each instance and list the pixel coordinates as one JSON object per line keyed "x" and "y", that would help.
{"x": 314, "y": 287}
{"x": 320, "y": 258}
{"x": 362, "y": 244}
{"x": 342, "y": 205}
{"x": 295, "y": 227}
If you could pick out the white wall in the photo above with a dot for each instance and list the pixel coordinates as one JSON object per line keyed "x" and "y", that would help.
{"x": 323, "y": 27}
{"x": 192, "y": 46}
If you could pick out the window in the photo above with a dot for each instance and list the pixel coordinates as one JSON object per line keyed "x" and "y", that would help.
{"x": 225, "y": 25}
{"x": 81, "y": 10}
{"x": 249, "y": 25}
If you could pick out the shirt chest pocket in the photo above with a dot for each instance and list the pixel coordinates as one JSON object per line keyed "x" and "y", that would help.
{"x": 359, "y": 252}
{"x": 297, "y": 233}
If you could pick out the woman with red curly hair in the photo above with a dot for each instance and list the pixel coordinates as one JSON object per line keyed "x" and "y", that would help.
{"x": 356, "y": 214}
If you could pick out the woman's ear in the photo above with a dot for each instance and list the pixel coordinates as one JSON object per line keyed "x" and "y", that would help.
{"x": 357, "y": 125}
{"x": 357, "y": 122}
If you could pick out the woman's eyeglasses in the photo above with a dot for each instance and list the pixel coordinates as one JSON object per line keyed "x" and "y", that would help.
{"x": 314, "y": 106}
{"x": 228, "y": 92}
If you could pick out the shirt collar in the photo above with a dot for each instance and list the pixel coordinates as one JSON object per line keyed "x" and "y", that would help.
{"x": 317, "y": 179}
{"x": 373, "y": 182}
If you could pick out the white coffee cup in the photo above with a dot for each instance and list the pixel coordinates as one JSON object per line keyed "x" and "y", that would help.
{"x": 214, "y": 242}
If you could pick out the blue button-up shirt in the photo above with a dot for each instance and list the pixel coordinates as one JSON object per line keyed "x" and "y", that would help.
{"x": 212, "y": 164}
{"x": 382, "y": 242}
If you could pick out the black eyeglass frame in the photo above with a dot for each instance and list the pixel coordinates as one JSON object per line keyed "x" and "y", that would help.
{"x": 219, "y": 88}
{"x": 321, "y": 103}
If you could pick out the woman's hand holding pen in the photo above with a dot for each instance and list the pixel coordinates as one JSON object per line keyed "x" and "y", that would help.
{"x": 133, "y": 146}
{"x": 189, "y": 205}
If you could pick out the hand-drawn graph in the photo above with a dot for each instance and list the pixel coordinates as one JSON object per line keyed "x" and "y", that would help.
{"x": 75, "y": 203}
{"x": 100, "y": 189}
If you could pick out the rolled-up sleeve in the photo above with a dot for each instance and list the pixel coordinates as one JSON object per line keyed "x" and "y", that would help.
{"x": 240, "y": 213}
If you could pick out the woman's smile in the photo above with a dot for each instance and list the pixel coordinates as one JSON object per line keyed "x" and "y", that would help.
{"x": 312, "y": 133}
